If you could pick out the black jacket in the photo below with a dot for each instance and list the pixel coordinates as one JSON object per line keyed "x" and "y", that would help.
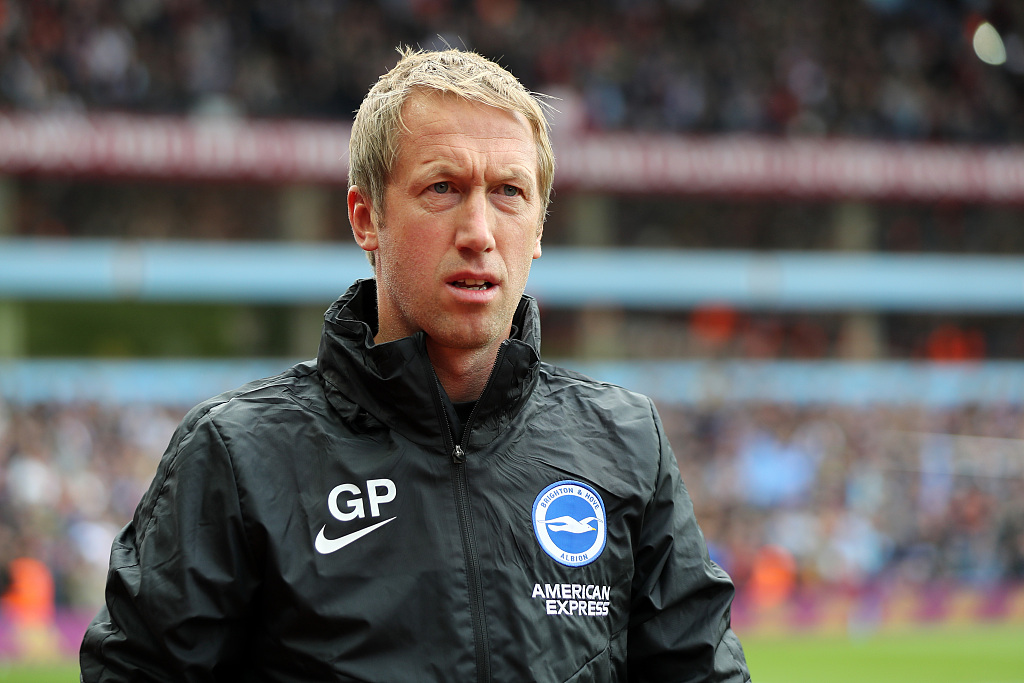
{"x": 322, "y": 525}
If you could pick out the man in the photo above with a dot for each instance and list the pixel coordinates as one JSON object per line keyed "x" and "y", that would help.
{"x": 427, "y": 501}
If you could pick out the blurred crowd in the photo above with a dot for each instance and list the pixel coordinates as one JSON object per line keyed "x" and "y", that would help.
{"x": 899, "y": 69}
{"x": 70, "y": 478}
{"x": 788, "y": 496}
{"x": 796, "y": 497}
{"x": 720, "y": 331}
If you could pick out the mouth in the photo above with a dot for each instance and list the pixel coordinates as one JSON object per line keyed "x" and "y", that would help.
{"x": 475, "y": 285}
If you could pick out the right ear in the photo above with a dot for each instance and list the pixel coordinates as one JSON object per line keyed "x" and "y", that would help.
{"x": 362, "y": 218}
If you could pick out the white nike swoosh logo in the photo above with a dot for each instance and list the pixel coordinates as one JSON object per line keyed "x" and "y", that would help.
{"x": 326, "y": 546}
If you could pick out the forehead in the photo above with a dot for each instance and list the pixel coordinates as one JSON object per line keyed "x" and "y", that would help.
{"x": 444, "y": 126}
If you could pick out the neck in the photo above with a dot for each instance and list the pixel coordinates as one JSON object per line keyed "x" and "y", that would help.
{"x": 462, "y": 372}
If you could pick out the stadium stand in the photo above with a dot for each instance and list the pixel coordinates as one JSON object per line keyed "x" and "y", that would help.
{"x": 890, "y": 69}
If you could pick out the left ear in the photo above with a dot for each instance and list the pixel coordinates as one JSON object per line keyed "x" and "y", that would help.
{"x": 536, "y": 245}
{"x": 361, "y": 216}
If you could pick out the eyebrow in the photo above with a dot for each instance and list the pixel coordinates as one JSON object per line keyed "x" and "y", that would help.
{"x": 522, "y": 177}
{"x": 510, "y": 173}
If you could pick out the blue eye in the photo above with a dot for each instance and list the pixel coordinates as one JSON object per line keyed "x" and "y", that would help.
{"x": 510, "y": 190}
{"x": 441, "y": 187}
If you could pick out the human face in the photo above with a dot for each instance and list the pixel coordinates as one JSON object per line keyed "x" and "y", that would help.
{"x": 460, "y": 225}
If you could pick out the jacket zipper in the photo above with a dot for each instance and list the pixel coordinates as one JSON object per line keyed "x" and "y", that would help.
{"x": 460, "y": 485}
{"x": 476, "y": 597}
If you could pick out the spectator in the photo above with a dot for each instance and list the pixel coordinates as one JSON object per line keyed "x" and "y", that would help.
{"x": 850, "y": 67}
{"x": 865, "y": 494}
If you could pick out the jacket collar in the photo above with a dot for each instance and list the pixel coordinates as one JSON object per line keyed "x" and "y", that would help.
{"x": 394, "y": 383}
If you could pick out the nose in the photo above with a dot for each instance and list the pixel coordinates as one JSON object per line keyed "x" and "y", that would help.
{"x": 475, "y": 229}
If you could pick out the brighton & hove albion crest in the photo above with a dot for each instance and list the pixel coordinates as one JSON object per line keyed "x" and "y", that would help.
{"x": 569, "y": 521}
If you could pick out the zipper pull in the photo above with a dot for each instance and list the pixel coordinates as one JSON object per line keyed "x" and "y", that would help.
{"x": 458, "y": 455}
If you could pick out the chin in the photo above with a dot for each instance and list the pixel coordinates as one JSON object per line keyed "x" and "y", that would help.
{"x": 466, "y": 336}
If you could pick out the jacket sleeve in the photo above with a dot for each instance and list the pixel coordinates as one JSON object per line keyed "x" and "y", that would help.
{"x": 181, "y": 573}
{"x": 679, "y": 628}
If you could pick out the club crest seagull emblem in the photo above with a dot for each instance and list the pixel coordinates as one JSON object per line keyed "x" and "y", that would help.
{"x": 569, "y": 522}
{"x": 573, "y": 526}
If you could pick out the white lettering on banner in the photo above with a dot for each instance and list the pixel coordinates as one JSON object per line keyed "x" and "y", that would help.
{"x": 573, "y": 599}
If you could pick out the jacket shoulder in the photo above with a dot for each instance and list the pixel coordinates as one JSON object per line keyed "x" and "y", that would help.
{"x": 561, "y": 382}
{"x": 298, "y": 384}
{"x": 610, "y": 433}
{"x": 209, "y": 427}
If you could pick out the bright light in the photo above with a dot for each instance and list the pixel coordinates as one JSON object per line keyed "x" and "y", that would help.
{"x": 988, "y": 45}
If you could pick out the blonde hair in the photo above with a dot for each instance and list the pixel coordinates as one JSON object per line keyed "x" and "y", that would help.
{"x": 376, "y": 132}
